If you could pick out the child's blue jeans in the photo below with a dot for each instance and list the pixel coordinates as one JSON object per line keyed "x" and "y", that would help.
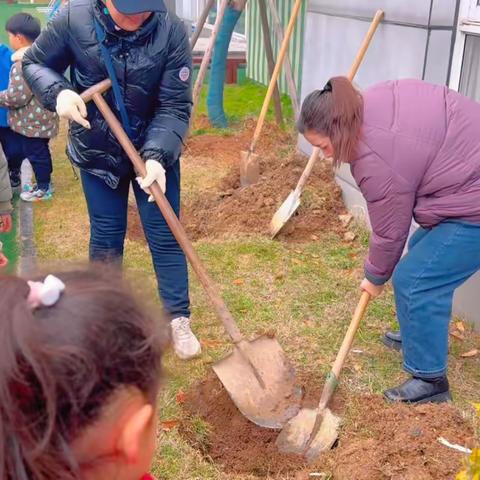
{"x": 18, "y": 147}
{"x": 439, "y": 260}
{"x": 108, "y": 225}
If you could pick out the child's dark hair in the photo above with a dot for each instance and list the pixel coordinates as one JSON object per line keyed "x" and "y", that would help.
{"x": 60, "y": 365}
{"x": 336, "y": 112}
{"x": 24, "y": 24}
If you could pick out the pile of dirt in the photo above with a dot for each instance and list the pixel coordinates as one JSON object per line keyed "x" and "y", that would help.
{"x": 379, "y": 441}
{"x": 228, "y": 209}
{"x": 235, "y": 210}
{"x": 401, "y": 441}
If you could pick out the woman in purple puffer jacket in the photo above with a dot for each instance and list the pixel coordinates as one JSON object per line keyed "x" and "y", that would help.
{"x": 414, "y": 151}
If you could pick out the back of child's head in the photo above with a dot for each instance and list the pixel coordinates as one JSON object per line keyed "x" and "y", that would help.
{"x": 60, "y": 365}
{"x": 24, "y": 24}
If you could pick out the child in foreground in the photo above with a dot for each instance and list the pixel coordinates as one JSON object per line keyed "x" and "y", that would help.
{"x": 79, "y": 375}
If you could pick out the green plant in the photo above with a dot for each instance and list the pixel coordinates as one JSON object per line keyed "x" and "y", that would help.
{"x": 472, "y": 464}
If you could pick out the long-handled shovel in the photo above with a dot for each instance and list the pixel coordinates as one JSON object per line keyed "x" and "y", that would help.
{"x": 292, "y": 87}
{"x": 311, "y": 432}
{"x": 249, "y": 165}
{"x": 257, "y": 374}
{"x": 292, "y": 202}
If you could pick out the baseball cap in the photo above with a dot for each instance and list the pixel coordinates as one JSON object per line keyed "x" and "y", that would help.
{"x": 133, "y": 7}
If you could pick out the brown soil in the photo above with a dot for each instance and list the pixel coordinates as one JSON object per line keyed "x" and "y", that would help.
{"x": 229, "y": 210}
{"x": 379, "y": 442}
{"x": 235, "y": 210}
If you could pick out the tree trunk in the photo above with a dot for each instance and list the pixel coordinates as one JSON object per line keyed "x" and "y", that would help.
{"x": 216, "y": 113}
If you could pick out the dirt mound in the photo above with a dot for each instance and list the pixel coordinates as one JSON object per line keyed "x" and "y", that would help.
{"x": 233, "y": 441}
{"x": 400, "y": 441}
{"x": 233, "y": 210}
{"x": 223, "y": 209}
{"x": 378, "y": 442}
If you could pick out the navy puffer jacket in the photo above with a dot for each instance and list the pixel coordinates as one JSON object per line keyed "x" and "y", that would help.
{"x": 153, "y": 66}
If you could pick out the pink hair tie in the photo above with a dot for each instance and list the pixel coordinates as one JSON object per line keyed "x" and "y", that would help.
{"x": 46, "y": 293}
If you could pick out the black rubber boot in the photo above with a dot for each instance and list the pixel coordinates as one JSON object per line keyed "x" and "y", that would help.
{"x": 393, "y": 340}
{"x": 420, "y": 390}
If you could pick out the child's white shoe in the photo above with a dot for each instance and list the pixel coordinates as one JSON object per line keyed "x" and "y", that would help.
{"x": 36, "y": 195}
{"x": 185, "y": 343}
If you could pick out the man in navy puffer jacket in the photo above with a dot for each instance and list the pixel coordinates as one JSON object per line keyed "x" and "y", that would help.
{"x": 148, "y": 50}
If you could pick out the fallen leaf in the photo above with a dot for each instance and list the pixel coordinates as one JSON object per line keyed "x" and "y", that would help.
{"x": 314, "y": 237}
{"x": 460, "y": 326}
{"x": 457, "y": 335}
{"x": 168, "y": 425}
{"x": 211, "y": 343}
{"x": 349, "y": 237}
{"x": 239, "y": 281}
{"x": 357, "y": 367}
{"x": 181, "y": 397}
{"x": 470, "y": 354}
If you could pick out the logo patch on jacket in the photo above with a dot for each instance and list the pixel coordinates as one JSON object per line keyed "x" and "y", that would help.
{"x": 184, "y": 74}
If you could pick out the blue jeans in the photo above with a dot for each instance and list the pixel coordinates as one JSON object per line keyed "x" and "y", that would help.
{"x": 108, "y": 208}
{"x": 439, "y": 260}
{"x": 18, "y": 147}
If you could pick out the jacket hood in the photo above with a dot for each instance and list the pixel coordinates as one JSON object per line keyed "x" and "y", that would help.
{"x": 19, "y": 54}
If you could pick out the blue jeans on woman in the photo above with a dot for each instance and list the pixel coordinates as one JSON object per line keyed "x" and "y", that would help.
{"x": 439, "y": 260}
{"x": 108, "y": 210}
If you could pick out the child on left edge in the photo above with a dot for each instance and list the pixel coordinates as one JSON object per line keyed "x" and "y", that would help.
{"x": 32, "y": 126}
{"x": 5, "y": 204}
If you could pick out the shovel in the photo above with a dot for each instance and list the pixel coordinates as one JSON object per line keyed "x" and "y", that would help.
{"x": 312, "y": 432}
{"x": 292, "y": 202}
{"x": 257, "y": 375}
{"x": 249, "y": 165}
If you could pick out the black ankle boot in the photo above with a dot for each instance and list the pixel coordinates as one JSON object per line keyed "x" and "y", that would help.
{"x": 420, "y": 390}
{"x": 393, "y": 340}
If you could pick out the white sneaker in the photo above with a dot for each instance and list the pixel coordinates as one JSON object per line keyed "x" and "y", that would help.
{"x": 185, "y": 343}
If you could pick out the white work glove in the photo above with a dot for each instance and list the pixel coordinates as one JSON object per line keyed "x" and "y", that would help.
{"x": 71, "y": 106}
{"x": 155, "y": 173}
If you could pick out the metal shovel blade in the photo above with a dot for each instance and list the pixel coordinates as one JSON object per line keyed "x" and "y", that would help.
{"x": 283, "y": 214}
{"x": 249, "y": 168}
{"x": 295, "y": 436}
{"x": 270, "y": 405}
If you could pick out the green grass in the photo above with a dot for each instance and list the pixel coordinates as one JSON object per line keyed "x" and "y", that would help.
{"x": 242, "y": 102}
{"x": 305, "y": 292}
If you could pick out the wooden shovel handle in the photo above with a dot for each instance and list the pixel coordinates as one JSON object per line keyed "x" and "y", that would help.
{"x": 342, "y": 354}
{"x": 99, "y": 88}
{"x": 351, "y": 75}
{"x": 276, "y": 73}
{"x": 365, "y": 44}
{"x": 331, "y": 383}
{"x": 176, "y": 227}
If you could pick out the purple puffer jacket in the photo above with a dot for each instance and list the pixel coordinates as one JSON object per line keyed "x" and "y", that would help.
{"x": 418, "y": 157}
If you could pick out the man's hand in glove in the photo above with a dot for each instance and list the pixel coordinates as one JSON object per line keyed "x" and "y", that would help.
{"x": 71, "y": 107}
{"x": 155, "y": 173}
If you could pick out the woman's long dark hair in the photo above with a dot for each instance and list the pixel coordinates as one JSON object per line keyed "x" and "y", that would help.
{"x": 336, "y": 112}
{"x": 59, "y": 365}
